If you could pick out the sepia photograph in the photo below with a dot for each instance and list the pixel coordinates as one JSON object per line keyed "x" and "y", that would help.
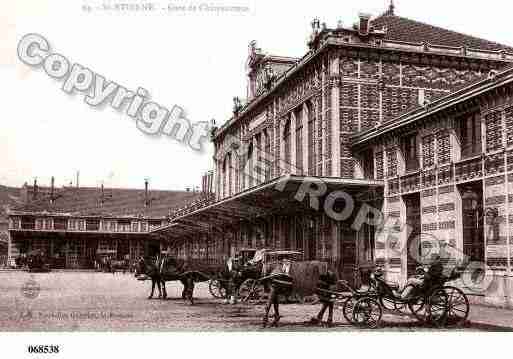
{"x": 255, "y": 171}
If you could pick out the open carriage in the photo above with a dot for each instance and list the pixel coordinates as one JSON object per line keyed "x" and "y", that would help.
{"x": 434, "y": 303}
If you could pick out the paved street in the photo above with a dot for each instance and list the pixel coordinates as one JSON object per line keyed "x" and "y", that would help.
{"x": 87, "y": 301}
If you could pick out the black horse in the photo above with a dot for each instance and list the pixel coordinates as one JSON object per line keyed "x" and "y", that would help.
{"x": 167, "y": 269}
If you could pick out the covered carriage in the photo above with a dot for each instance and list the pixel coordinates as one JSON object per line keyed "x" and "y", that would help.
{"x": 302, "y": 275}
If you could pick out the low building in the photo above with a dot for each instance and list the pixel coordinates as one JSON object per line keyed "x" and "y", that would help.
{"x": 74, "y": 227}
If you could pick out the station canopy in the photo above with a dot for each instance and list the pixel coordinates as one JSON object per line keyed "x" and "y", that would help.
{"x": 285, "y": 195}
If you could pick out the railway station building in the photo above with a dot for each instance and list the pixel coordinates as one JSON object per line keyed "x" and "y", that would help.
{"x": 407, "y": 118}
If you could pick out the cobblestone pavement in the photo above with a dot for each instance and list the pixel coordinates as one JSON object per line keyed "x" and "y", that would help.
{"x": 75, "y": 301}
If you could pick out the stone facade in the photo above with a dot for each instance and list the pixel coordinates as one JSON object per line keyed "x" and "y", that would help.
{"x": 303, "y": 121}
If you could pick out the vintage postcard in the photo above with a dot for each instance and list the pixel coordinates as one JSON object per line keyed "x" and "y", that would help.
{"x": 255, "y": 167}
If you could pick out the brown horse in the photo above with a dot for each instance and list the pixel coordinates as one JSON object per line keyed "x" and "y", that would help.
{"x": 167, "y": 269}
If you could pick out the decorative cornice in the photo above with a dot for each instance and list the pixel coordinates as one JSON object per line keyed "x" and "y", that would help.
{"x": 391, "y": 46}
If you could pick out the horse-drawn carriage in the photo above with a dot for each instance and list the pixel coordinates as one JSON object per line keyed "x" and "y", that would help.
{"x": 245, "y": 273}
{"x": 237, "y": 270}
{"x": 276, "y": 262}
{"x": 434, "y": 302}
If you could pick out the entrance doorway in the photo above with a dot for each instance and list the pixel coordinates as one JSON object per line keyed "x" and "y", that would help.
{"x": 414, "y": 223}
{"x": 473, "y": 221}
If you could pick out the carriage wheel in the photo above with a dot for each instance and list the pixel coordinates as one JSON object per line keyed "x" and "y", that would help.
{"x": 367, "y": 312}
{"x": 457, "y": 306}
{"x": 391, "y": 305}
{"x": 347, "y": 309}
{"x": 216, "y": 288}
{"x": 246, "y": 290}
{"x": 257, "y": 292}
{"x": 437, "y": 307}
{"x": 418, "y": 308}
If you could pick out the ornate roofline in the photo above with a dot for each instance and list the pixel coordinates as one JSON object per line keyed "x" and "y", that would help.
{"x": 331, "y": 40}
{"x": 495, "y": 80}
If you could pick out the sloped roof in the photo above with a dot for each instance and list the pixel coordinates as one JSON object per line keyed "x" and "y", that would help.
{"x": 407, "y": 30}
{"x": 9, "y": 197}
{"x": 116, "y": 202}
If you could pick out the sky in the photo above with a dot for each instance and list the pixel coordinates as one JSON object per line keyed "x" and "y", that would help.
{"x": 195, "y": 60}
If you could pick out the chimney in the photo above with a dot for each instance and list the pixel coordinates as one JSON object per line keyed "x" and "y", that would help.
{"x": 78, "y": 179}
{"x": 391, "y": 9}
{"x": 52, "y": 190}
{"x": 34, "y": 189}
{"x": 102, "y": 198}
{"x": 25, "y": 193}
{"x": 146, "y": 193}
{"x": 364, "y": 26}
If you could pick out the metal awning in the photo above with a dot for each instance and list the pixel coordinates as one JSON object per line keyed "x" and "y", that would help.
{"x": 284, "y": 195}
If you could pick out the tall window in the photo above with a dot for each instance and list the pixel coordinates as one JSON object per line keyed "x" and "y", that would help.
{"x": 229, "y": 175}
{"x": 299, "y": 141}
{"x": 249, "y": 165}
{"x": 286, "y": 143}
{"x": 473, "y": 222}
{"x": 311, "y": 140}
{"x": 469, "y": 131}
{"x": 257, "y": 172}
{"x": 268, "y": 166}
{"x": 410, "y": 152}
{"x": 225, "y": 174}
